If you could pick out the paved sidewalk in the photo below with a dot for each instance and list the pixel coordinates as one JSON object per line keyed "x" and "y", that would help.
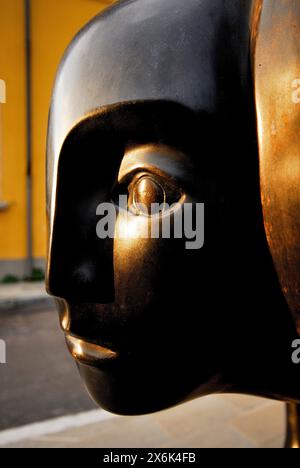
{"x": 23, "y": 294}
{"x": 211, "y": 422}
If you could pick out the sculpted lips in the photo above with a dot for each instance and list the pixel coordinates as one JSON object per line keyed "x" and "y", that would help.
{"x": 89, "y": 353}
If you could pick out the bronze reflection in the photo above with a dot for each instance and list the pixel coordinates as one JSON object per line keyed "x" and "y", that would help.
{"x": 158, "y": 109}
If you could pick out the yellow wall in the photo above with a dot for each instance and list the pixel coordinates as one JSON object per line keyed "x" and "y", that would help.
{"x": 12, "y": 71}
{"x": 54, "y": 24}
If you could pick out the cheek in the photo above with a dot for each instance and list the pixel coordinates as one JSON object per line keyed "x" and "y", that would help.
{"x": 136, "y": 260}
{"x": 156, "y": 286}
{"x": 144, "y": 268}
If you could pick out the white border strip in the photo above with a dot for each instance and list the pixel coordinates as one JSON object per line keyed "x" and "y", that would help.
{"x": 53, "y": 426}
{"x": 2, "y": 92}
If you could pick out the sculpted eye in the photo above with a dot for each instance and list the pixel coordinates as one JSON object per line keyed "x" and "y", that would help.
{"x": 145, "y": 193}
{"x": 150, "y": 195}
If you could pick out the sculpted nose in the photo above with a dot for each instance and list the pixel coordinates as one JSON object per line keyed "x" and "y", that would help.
{"x": 80, "y": 267}
{"x": 80, "y": 264}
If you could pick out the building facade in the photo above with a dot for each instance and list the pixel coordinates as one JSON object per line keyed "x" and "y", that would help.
{"x": 33, "y": 37}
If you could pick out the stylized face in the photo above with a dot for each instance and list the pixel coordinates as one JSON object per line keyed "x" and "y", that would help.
{"x": 149, "y": 105}
{"x": 132, "y": 311}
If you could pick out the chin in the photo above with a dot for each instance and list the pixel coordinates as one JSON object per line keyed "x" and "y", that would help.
{"x": 138, "y": 386}
{"x": 158, "y": 375}
{"x": 127, "y": 395}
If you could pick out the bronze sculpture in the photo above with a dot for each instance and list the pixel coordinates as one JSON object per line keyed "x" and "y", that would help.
{"x": 150, "y": 323}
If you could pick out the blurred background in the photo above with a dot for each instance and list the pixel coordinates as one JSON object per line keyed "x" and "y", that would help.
{"x": 33, "y": 37}
{"x": 42, "y": 400}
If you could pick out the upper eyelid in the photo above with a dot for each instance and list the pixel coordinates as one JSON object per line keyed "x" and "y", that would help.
{"x": 160, "y": 159}
{"x": 129, "y": 176}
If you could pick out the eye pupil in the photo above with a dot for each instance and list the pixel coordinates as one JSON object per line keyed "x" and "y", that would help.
{"x": 147, "y": 192}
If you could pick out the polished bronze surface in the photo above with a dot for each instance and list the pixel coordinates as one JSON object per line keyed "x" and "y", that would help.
{"x": 277, "y": 89}
{"x": 149, "y": 103}
{"x": 293, "y": 426}
{"x": 88, "y": 353}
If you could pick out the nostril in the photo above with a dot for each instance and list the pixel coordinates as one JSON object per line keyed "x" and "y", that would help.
{"x": 89, "y": 282}
{"x": 86, "y": 281}
{"x": 84, "y": 274}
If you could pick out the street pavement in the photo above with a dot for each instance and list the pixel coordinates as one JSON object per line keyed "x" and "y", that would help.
{"x": 23, "y": 294}
{"x": 39, "y": 380}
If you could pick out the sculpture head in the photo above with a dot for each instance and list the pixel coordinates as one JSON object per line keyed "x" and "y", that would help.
{"x": 149, "y": 103}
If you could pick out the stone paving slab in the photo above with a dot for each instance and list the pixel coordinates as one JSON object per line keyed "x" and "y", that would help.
{"x": 22, "y": 294}
{"x": 211, "y": 422}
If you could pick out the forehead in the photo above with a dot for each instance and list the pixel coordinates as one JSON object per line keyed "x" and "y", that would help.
{"x": 152, "y": 50}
